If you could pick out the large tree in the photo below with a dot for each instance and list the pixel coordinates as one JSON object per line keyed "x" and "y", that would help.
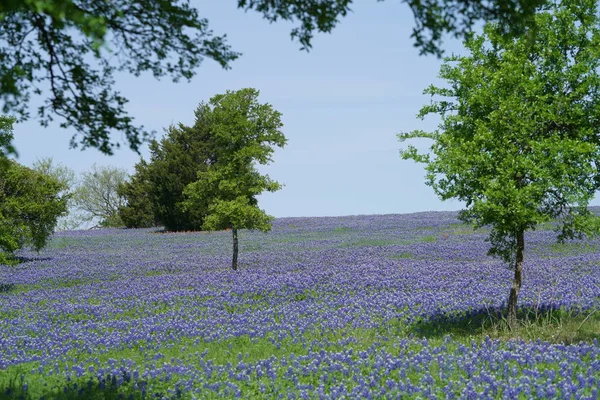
{"x": 519, "y": 140}
{"x": 30, "y": 205}
{"x": 97, "y": 195}
{"x": 174, "y": 163}
{"x": 6, "y": 136}
{"x": 68, "y": 180}
{"x": 244, "y": 133}
{"x": 30, "y": 202}
{"x": 67, "y": 48}
{"x": 137, "y": 210}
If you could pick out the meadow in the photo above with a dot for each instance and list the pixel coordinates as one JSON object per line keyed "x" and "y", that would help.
{"x": 388, "y": 306}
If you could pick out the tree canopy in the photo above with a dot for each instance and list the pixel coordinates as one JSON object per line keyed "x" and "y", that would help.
{"x": 97, "y": 195}
{"x": 519, "y": 141}
{"x": 6, "y": 136}
{"x": 137, "y": 208}
{"x": 68, "y": 180}
{"x": 30, "y": 205}
{"x": 157, "y": 186}
{"x": 66, "y": 48}
{"x": 244, "y": 133}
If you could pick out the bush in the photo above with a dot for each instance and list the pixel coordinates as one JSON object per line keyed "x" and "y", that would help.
{"x": 30, "y": 204}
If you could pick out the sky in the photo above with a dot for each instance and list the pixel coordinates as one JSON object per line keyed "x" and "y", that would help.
{"x": 342, "y": 103}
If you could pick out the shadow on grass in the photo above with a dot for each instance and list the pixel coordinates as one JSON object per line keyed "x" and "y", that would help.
{"x": 6, "y": 287}
{"x": 555, "y": 325}
{"x": 21, "y": 259}
{"x": 109, "y": 388}
{"x": 7, "y": 260}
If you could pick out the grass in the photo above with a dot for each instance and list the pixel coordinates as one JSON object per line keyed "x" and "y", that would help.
{"x": 369, "y": 242}
{"x": 553, "y": 326}
{"x": 6, "y": 287}
{"x": 18, "y": 288}
{"x": 159, "y": 272}
{"x": 227, "y": 351}
{"x": 92, "y": 389}
{"x": 304, "y": 237}
{"x": 460, "y": 229}
{"x": 342, "y": 229}
{"x": 573, "y": 248}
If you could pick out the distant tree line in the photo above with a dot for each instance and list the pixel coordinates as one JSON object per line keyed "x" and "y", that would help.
{"x": 203, "y": 176}
{"x": 197, "y": 177}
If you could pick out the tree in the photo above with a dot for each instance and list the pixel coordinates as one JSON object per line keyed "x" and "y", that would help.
{"x": 68, "y": 180}
{"x": 51, "y": 43}
{"x": 137, "y": 212}
{"x": 433, "y": 18}
{"x": 97, "y": 195}
{"x": 30, "y": 204}
{"x": 6, "y": 136}
{"x": 166, "y": 38}
{"x": 174, "y": 163}
{"x": 244, "y": 133}
{"x": 63, "y": 174}
{"x": 519, "y": 140}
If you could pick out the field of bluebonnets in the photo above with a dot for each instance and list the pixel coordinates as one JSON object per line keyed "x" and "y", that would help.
{"x": 389, "y": 306}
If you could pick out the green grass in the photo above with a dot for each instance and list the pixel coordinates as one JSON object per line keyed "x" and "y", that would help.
{"x": 159, "y": 272}
{"x": 554, "y": 326}
{"x": 342, "y": 229}
{"x": 573, "y": 248}
{"x": 369, "y": 242}
{"x": 220, "y": 353}
{"x": 20, "y": 288}
{"x": 312, "y": 237}
{"x": 7, "y": 287}
{"x": 460, "y": 229}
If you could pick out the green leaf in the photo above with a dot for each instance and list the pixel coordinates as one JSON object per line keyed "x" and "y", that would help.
{"x": 519, "y": 138}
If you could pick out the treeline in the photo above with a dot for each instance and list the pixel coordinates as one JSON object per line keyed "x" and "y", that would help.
{"x": 204, "y": 176}
{"x": 197, "y": 177}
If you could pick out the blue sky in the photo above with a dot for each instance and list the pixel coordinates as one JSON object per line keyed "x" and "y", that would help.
{"x": 342, "y": 103}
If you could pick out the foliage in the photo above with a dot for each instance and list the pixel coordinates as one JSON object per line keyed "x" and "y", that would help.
{"x": 30, "y": 204}
{"x": 174, "y": 163}
{"x": 6, "y": 136}
{"x": 519, "y": 140}
{"x": 433, "y": 18}
{"x": 136, "y": 212}
{"x": 244, "y": 133}
{"x": 68, "y": 179}
{"x": 97, "y": 195}
{"x": 69, "y": 47}
{"x": 57, "y": 170}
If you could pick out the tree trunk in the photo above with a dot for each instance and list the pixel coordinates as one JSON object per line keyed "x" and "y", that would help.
{"x": 235, "y": 249}
{"x": 516, "y": 287}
